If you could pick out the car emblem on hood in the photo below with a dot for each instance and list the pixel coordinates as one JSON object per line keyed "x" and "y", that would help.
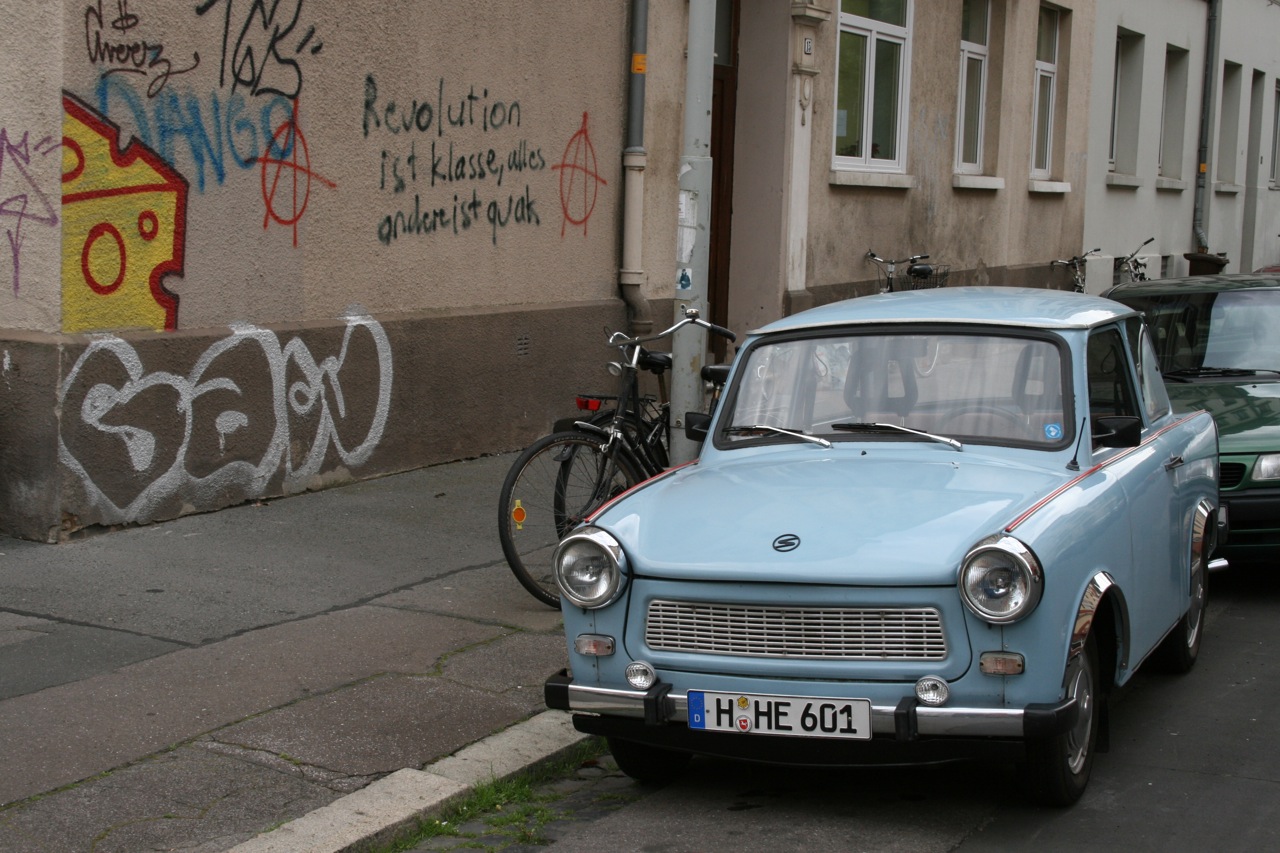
{"x": 786, "y": 542}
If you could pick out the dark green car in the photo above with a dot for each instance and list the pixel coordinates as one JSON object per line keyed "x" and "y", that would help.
{"x": 1218, "y": 341}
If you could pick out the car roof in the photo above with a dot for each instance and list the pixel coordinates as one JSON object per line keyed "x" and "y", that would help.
{"x": 1025, "y": 307}
{"x": 1195, "y": 284}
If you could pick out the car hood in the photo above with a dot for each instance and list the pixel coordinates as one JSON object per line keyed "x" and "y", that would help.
{"x": 1247, "y": 413}
{"x": 878, "y": 519}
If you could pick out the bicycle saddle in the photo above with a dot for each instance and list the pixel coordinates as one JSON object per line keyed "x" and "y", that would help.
{"x": 654, "y": 362}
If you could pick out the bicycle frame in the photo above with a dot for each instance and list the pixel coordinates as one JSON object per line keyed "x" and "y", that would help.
{"x": 1136, "y": 269}
{"x": 1076, "y": 265}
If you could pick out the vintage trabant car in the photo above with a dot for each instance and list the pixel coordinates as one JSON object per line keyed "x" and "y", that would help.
{"x": 923, "y": 526}
{"x": 1218, "y": 341}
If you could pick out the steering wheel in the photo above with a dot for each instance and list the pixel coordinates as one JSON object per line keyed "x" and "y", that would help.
{"x": 1011, "y": 418}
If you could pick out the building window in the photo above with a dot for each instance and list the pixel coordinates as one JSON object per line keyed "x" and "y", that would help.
{"x": 1229, "y": 123}
{"x": 872, "y": 82}
{"x": 1046, "y": 84}
{"x": 1275, "y": 137}
{"x": 1126, "y": 103}
{"x": 1173, "y": 114}
{"x": 975, "y": 25}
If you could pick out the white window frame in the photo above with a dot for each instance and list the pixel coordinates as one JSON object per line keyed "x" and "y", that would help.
{"x": 980, "y": 53}
{"x": 1115, "y": 105}
{"x": 1045, "y": 69}
{"x": 1275, "y": 138}
{"x": 874, "y": 32}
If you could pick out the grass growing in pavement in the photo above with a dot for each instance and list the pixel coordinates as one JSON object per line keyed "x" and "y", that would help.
{"x": 511, "y": 803}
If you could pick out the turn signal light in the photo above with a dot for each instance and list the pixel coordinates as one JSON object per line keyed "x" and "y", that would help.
{"x": 1002, "y": 663}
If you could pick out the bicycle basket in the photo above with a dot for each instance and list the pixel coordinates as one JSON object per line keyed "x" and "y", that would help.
{"x": 922, "y": 276}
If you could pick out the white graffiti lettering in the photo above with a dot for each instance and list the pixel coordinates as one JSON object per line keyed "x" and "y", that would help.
{"x": 297, "y": 388}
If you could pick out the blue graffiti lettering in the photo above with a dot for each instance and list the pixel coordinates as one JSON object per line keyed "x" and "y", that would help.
{"x": 195, "y": 135}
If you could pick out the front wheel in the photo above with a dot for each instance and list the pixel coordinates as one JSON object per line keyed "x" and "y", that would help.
{"x": 551, "y": 488}
{"x": 1058, "y": 767}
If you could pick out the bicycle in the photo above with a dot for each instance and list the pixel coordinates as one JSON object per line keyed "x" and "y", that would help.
{"x": 1132, "y": 266}
{"x": 1076, "y": 264}
{"x": 562, "y": 478}
{"x": 920, "y": 275}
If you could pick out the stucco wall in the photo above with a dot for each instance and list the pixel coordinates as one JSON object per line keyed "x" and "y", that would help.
{"x": 285, "y": 245}
{"x": 1005, "y": 232}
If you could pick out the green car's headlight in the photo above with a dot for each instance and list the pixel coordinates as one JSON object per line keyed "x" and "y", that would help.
{"x": 1001, "y": 580}
{"x": 590, "y": 568}
{"x": 1267, "y": 467}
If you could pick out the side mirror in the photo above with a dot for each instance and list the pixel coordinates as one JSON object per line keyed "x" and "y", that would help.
{"x": 1117, "y": 431}
{"x": 696, "y": 426}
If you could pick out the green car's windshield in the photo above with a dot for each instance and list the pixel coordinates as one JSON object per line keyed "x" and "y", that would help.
{"x": 1226, "y": 333}
{"x": 971, "y": 386}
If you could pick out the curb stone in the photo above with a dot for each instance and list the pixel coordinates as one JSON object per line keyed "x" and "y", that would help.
{"x": 382, "y": 810}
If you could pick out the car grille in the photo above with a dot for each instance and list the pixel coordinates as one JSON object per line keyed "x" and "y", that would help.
{"x": 1231, "y": 475}
{"x": 796, "y": 632}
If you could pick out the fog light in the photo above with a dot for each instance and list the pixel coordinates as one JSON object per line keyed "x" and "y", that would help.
{"x": 932, "y": 690}
{"x": 640, "y": 675}
{"x": 1001, "y": 663}
{"x": 596, "y": 645}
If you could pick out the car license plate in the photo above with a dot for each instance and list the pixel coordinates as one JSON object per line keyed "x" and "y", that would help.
{"x": 800, "y": 716}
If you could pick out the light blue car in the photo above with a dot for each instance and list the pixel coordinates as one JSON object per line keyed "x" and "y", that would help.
{"x": 923, "y": 526}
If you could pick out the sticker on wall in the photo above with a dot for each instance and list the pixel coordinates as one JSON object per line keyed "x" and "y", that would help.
{"x": 124, "y": 228}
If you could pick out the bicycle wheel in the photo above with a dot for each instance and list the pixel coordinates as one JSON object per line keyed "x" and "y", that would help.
{"x": 558, "y": 481}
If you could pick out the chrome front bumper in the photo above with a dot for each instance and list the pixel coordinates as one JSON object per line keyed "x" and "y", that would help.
{"x": 905, "y": 721}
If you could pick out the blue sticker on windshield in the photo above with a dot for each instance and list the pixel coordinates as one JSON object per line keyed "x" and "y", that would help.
{"x": 1053, "y": 432}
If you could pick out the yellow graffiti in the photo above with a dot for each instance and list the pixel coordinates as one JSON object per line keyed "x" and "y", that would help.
{"x": 124, "y": 228}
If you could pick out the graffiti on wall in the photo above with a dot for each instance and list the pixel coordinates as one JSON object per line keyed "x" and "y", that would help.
{"x": 286, "y": 180}
{"x": 22, "y": 200}
{"x": 457, "y": 184}
{"x": 124, "y": 228}
{"x": 137, "y": 439}
{"x": 580, "y": 181}
{"x": 113, "y": 46}
{"x": 263, "y": 36}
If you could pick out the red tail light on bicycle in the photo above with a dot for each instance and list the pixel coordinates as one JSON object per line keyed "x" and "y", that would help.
{"x": 589, "y": 404}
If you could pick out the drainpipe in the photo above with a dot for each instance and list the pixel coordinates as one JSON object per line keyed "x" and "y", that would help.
{"x": 1206, "y": 115}
{"x": 634, "y": 160}
{"x": 693, "y": 217}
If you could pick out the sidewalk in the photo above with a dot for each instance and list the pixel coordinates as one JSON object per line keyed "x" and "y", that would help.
{"x": 192, "y": 684}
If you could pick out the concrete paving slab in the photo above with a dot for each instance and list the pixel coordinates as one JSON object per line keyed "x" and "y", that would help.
{"x": 187, "y": 799}
{"x": 392, "y": 805}
{"x": 515, "y": 663}
{"x": 488, "y": 593}
{"x": 381, "y": 725}
{"x": 70, "y": 732}
{"x": 58, "y": 653}
{"x": 208, "y": 577}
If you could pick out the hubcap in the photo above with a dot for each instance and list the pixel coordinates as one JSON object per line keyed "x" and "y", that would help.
{"x": 1081, "y": 687}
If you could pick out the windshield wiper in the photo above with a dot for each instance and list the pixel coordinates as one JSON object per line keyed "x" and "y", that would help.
{"x": 1181, "y": 374}
{"x": 867, "y": 427}
{"x": 793, "y": 433}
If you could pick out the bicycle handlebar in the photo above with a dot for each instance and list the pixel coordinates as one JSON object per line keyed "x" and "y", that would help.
{"x": 1078, "y": 259}
{"x": 691, "y": 317}
{"x": 1135, "y": 252}
{"x": 872, "y": 256}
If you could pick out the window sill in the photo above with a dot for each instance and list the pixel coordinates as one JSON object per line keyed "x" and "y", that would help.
{"x": 1119, "y": 179}
{"x": 1222, "y": 188}
{"x": 885, "y": 180}
{"x": 1171, "y": 184}
{"x": 1050, "y": 187}
{"x": 976, "y": 182}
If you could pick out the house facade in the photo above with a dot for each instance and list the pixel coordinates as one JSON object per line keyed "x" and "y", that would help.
{"x": 254, "y": 249}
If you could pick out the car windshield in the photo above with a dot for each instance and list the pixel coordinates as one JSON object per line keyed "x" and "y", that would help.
{"x": 1206, "y": 333}
{"x": 979, "y": 387}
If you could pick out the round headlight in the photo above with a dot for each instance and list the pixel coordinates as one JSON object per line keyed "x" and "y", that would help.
{"x": 1000, "y": 580}
{"x": 589, "y": 568}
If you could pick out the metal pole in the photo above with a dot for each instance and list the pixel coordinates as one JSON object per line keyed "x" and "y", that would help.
{"x": 694, "y": 224}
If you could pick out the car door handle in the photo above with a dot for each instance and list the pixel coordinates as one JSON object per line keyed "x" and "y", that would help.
{"x": 1173, "y": 462}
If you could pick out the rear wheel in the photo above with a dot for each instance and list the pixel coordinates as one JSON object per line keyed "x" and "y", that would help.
{"x": 1178, "y": 651}
{"x": 648, "y": 763}
{"x": 1058, "y": 767}
{"x": 553, "y": 485}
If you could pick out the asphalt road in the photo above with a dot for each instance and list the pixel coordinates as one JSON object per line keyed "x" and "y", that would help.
{"x": 1194, "y": 765}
